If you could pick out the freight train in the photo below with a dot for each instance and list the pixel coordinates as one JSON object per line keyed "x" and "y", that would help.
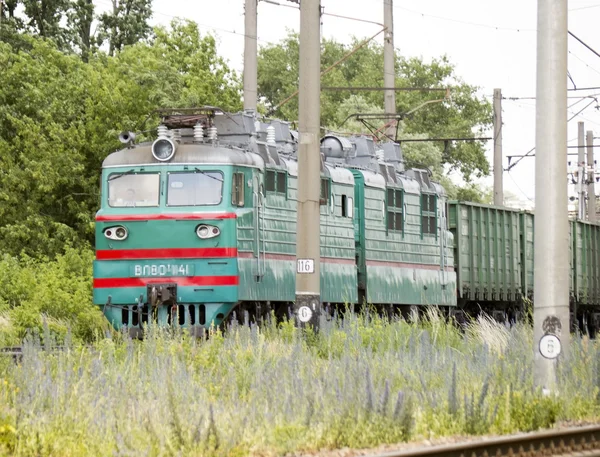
{"x": 201, "y": 222}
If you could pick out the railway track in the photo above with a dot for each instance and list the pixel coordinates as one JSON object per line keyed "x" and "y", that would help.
{"x": 16, "y": 352}
{"x": 577, "y": 441}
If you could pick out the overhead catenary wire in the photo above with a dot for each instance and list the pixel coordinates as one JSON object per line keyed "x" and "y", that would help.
{"x": 517, "y": 186}
{"x": 583, "y": 43}
{"x": 328, "y": 69}
{"x": 585, "y": 63}
{"x": 528, "y": 153}
{"x": 460, "y": 21}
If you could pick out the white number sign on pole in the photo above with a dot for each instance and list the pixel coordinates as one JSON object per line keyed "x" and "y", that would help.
{"x": 306, "y": 266}
{"x": 550, "y": 346}
{"x": 304, "y": 313}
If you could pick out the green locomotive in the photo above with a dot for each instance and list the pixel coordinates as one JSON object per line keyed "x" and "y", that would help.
{"x": 202, "y": 222}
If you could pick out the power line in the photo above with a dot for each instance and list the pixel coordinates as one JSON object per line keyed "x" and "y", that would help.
{"x": 584, "y": 7}
{"x": 585, "y": 88}
{"x": 584, "y": 62}
{"x": 475, "y": 24}
{"x": 573, "y": 82}
{"x": 587, "y": 46}
{"x": 405, "y": 89}
{"x": 517, "y": 186}
{"x": 528, "y": 153}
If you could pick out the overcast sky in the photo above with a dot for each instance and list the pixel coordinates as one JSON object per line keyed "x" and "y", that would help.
{"x": 491, "y": 42}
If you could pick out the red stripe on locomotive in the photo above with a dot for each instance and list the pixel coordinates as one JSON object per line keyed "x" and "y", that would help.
{"x": 100, "y": 283}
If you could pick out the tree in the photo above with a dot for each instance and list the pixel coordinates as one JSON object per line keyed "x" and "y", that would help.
{"x": 80, "y": 19}
{"x": 126, "y": 24}
{"x": 8, "y": 9}
{"x": 45, "y": 19}
{"x": 464, "y": 113}
{"x": 60, "y": 117}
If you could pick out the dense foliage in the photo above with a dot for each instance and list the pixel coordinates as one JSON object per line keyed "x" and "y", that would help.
{"x": 274, "y": 390}
{"x": 58, "y": 295}
{"x": 60, "y": 116}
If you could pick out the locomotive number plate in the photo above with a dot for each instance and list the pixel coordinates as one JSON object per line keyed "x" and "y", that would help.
{"x": 151, "y": 271}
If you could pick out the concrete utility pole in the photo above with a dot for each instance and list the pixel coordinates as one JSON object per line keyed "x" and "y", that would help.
{"x": 308, "y": 242}
{"x": 591, "y": 192}
{"x": 551, "y": 318}
{"x": 498, "y": 169}
{"x": 389, "y": 71}
{"x": 581, "y": 170}
{"x": 250, "y": 55}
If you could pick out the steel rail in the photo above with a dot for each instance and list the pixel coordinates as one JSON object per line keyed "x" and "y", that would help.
{"x": 577, "y": 441}
{"x": 16, "y": 352}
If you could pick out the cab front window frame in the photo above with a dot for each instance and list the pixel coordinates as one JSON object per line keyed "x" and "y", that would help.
{"x": 216, "y": 177}
{"x": 127, "y": 189}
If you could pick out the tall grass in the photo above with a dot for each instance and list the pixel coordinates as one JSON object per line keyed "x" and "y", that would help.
{"x": 360, "y": 382}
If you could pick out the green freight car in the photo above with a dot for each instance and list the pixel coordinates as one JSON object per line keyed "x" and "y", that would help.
{"x": 494, "y": 252}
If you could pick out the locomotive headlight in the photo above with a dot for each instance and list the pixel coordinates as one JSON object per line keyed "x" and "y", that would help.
{"x": 163, "y": 149}
{"x": 116, "y": 233}
{"x": 207, "y": 231}
{"x": 121, "y": 233}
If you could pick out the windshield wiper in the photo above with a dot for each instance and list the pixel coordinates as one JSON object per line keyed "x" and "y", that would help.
{"x": 206, "y": 174}
{"x": 118, "y": 175}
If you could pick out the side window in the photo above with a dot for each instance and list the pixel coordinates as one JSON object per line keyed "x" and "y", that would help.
{"x": 237, "y": 189}
{"x": 325, "y": 191}
{"x": 281, "y": 182}
{"x": 276, "y": 182}
{"x": 395, "y": 209}
{"x": 270, "y": 181}
{"x": 429, "y": 214}
{"x": 347, "y": 208}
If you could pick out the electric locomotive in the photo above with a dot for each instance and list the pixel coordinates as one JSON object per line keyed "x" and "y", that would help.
{"x": 202, "y": 221}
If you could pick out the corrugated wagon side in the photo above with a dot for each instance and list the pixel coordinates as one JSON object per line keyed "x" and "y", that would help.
{"x": 585, "y": 273}
{"x": 487, "y": 252}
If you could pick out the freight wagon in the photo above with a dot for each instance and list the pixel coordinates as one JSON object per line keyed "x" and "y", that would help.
{"x": 493, "y": 248}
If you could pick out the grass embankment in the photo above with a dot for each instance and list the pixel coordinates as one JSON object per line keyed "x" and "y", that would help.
{"x": 275, "y": 389}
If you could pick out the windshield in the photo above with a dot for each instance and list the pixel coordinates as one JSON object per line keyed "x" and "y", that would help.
{"x": 195, "y": 189}
{"x": 133, "y": 189}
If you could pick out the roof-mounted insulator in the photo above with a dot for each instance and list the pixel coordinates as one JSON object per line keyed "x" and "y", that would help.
{"x": 212, "y": 133}
{"x": 270, "y": 134}
{"x": 163, "y": 131}
{"x": 198, "y": 133}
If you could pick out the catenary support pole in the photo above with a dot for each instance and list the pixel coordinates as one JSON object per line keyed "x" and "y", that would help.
{"x": 250, "y": 55}
{"x": 551, "y": 317}
{"x": 581, "y": 171}
{"x": 307, "y": 307}
{"x": 498, "y": 169}
{"x": 591, "y": 177}
{"x": 389, "y": 72}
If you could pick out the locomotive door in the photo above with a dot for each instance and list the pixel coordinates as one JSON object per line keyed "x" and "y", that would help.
{"x": 359, "y": 233}
{"x": 258, "y": 229}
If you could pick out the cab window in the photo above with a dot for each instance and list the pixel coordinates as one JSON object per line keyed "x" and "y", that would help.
{"x": 127, "y": 189}
{"x": 237, "y": 189}
{"x": 201, "y": 188}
